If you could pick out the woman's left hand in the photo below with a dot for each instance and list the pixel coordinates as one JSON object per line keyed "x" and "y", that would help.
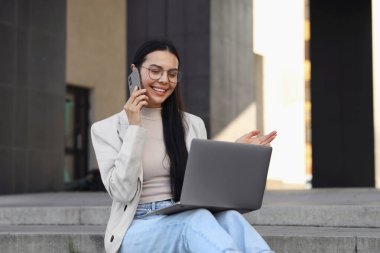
{"x": 253, "y": 138}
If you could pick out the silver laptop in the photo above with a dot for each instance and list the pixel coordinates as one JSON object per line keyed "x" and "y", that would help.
{"x": 222, "y": 176}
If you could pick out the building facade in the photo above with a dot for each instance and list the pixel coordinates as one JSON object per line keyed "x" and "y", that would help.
{"x": 63, "y": 66}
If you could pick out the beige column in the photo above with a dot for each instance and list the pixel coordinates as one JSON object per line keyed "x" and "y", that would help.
{"x": 96, "y": 52}
{"x": 96, "y": 55}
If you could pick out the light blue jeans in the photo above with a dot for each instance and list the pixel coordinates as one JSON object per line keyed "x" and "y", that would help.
{"x": 195, "y": 231}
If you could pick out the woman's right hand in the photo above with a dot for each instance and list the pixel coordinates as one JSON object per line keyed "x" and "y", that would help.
{"x": 137, "y": 100}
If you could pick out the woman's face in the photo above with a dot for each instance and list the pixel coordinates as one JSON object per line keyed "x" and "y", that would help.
{"x": 158, "y": 90}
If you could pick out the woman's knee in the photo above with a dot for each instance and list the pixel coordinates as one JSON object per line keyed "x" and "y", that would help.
{"x": 195, "y": 216}
{"x": 199, "y": 218}
{"x": 230, "y": 216}
{"x": 200, "y": 214}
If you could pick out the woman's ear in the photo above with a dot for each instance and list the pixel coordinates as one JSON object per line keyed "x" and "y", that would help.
{"x": 133, "y": 66}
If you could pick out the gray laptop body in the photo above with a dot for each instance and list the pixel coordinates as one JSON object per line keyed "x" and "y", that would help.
{"x": 221, "y": 176}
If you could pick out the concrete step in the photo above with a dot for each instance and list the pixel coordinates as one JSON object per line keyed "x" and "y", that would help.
{"x": 64, "y": 208}
{"x": 327, "y": 220}
{"x": 340, "y": 207}
{"x": 328, "y": 216}
{"x": 321, "y": 215}
{"x": 51, "y": 238}
{"x": 65, "y": 215}
{"x": 282, "y": 239}
{"x": 329, "y": 208}
{"x": 292, "y": 239}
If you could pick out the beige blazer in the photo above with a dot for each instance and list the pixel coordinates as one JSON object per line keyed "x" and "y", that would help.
{"x": 119, "y": 148}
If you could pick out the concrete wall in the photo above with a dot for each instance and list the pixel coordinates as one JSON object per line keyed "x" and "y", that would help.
{"x": 232, "y": 91}
{"x": 214, "y": 39}
{"x": 187, "y": 24}
{"x": 96, "y": 52}
{"x": 342, "y": 93}
{"x": 376, "y": 84}
{"x": 32, "y": 93}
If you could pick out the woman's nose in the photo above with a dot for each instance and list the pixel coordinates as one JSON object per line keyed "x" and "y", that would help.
{"x": 164, "y": 77}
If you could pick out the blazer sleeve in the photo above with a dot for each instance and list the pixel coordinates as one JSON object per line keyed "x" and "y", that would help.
{"x": 119, "y": 166}
{"x": 195, "y": 129}
{"x": 202, "y": 129}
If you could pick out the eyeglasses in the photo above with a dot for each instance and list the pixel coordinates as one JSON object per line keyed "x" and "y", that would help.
{"x": 156, "y": 72}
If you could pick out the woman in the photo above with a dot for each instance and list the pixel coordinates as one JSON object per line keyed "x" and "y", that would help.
{"x": 142, "y": 153}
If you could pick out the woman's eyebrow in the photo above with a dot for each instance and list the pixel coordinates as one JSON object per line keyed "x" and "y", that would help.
{"x": 154, "y": 65}
{"x": 158, "y": 66}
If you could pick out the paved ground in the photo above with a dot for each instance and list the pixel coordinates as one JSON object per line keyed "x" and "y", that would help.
{"x": 338, "y": 196}
{"x": 330, "y": 196}
{"x": 56, "y": 199}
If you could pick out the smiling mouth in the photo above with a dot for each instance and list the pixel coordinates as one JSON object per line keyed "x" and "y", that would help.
{"x": 159, "y": 90}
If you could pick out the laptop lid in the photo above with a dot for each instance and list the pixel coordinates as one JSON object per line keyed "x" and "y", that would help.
{"x": 225, "y": 175}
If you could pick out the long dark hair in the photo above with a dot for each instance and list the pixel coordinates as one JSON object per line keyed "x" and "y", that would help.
{"x": 174, "y": 126}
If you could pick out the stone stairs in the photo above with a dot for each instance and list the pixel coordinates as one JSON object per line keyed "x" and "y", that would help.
{"x": 318, "y": 220}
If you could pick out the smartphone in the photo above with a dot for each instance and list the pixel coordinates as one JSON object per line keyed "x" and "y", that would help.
{"x": 134, "y": 80}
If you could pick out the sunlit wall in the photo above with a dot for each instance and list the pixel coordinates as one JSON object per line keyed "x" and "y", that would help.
{"x": 96, "y": 55}
{"x": 279, "y": 37}
{"x": 376, "y": 83}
